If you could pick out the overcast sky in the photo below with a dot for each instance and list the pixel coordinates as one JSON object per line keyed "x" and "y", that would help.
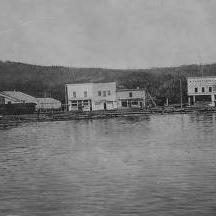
{"x": 108, "y": 33}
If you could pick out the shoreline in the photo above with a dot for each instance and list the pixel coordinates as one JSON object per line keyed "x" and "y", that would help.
{"x": 14, "y": 120}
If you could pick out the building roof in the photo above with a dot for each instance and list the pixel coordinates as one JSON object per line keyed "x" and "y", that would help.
{"x": 20, "y": 96}
{"x": 122, "y": 90}
{"x": 9, "y": 97}
{"x": 202, "y": 77}
{"x": 90, "y": 83}
{"x": 47, "y": 100}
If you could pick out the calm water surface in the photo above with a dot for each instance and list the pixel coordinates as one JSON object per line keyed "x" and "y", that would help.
{"x": 158, "y": 165}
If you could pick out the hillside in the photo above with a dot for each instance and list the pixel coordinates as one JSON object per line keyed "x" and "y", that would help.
{"x": 49, "y": 80}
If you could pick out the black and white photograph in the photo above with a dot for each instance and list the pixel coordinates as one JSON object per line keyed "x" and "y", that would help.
{"x": 107, "y": 108}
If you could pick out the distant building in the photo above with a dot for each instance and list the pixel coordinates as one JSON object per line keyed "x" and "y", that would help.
{"x": 91, "y": 96}
{"x": 131, "y": 98}
{"x": 201, "y": 89}
{"x": 48, "y": 103}
{"x": 17, "y": 97}
{"x": 7, "y": 97}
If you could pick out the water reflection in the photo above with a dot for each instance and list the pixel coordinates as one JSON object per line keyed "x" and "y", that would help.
{"x": 155, "y": 165}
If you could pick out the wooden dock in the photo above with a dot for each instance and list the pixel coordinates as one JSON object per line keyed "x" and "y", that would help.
{"x": 13, "y": 120}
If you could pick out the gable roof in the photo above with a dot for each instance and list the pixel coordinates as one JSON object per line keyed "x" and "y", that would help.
{"x": 20, "y": 96}
{"x": 9, "y": 97}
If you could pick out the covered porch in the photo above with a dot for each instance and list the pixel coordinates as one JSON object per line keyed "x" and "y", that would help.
{"x": 131, "y": 103}
{"x": 205, "y": 99}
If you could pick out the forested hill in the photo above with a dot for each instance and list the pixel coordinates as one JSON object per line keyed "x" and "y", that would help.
{"x": 43, "y": 81}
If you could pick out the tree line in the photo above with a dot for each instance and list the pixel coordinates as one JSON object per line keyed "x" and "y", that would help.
{"x": 49, "y": 81}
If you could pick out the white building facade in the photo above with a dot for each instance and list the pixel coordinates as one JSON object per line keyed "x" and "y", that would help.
{"x": 131, "y": 98}
{"x": 91, "y": 96}
{"x": 201, "y": 87}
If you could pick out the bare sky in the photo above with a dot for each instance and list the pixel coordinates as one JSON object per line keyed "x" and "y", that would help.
{"x": 108, "y": 33}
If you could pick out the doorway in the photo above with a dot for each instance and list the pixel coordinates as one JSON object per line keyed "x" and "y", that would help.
{"x": 105, "y": 106}
{"x": 141, "y": 105}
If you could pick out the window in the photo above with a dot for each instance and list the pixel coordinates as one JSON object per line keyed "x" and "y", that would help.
{"x": 85, "y": 103}
{"x": 99, "y": 93}
{"x": 203, "y": 89}
{"x": 210, "y": 89}
{"x": 130, "y": 94}
{"x": 196, "y": 89}
{"x": 74, "y": 94}
{"x": 85, "y": 93}
{"x": 109, "y": 93}
{"x": 104, "y": 93}
{"x": 124, "y": 103}
{"x": 134, "y": 102}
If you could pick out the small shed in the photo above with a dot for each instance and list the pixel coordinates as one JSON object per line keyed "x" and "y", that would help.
{"x": 48, "y": 104}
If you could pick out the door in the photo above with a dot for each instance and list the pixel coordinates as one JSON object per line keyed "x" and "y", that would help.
{"x": 105, "y": 106}
{"x": 141, "y": 105}
{"x": 80, "y": 105}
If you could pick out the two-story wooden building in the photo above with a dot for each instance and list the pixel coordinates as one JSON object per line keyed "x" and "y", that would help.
{"x": 91, "y": 96}
{"x": 201, "y": 89}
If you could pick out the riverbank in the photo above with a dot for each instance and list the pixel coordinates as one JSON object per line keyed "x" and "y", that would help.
{"x": 13, "y": 120}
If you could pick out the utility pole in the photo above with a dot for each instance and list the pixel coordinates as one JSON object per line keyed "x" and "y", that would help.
{"x": 66, "y": 98}
{"x": 201, "y": 68}
{"x": 180, "y": 82}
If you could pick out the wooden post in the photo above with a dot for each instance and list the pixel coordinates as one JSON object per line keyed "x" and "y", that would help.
{"x": 66, "y": 99}
{"x": 189, "y": 101}
{"x": 212, "y": 100}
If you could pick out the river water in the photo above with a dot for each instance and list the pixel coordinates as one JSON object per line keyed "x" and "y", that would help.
{"x": 152, "y": 165}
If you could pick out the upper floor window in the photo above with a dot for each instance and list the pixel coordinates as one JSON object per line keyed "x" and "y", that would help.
{"x": 74, "y": 94}
{"x": 210, "y": 89}
{"x": 203, "y": 89}
{"x": 130, "y": 94}
{"x": 85, "y": 94}
{"x": 99, "y": 93}
{"x": 108, "y": 92}
{"x": 196, "y": 89}
{"x": 104, "y": 93}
